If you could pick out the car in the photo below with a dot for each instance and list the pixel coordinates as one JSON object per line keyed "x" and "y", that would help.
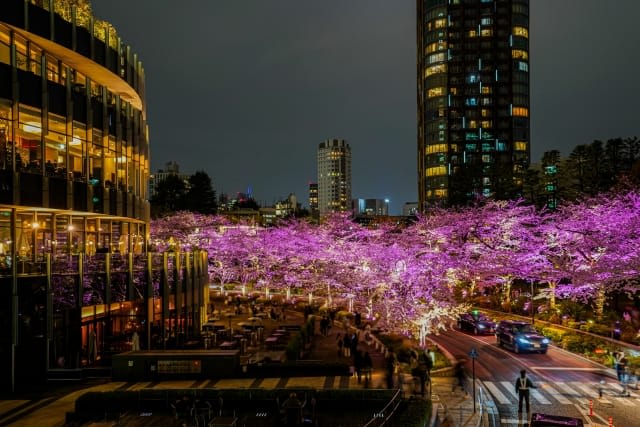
{"x": 521, "y": 337}
{"x": 546, "y": 420}
{"x": 477, "y": 323}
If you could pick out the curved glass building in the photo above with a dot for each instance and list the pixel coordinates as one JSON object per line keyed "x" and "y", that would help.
{"x": 473, "y": 99}
{"x": 75, "y": 278}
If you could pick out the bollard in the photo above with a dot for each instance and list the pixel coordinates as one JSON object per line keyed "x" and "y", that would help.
{"x": 610, "y": 421}
{"x": 591, "y": 408}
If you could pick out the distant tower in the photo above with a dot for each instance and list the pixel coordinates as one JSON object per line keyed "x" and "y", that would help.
{"x": 334, "y": 176}
{"x": 313, "y": 198}
{"x": 473, "y": 100}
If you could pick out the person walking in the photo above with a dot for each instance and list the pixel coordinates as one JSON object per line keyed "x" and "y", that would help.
{"x": 523, "y": 385}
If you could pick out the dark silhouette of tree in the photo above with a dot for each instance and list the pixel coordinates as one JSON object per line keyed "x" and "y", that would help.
{"x": 248, "y": 203}
{"x": 201, "y": 197}
{"x": 169, "y": 197}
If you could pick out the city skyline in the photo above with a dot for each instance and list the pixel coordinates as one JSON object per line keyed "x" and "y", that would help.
{"x": 263, "y": 85}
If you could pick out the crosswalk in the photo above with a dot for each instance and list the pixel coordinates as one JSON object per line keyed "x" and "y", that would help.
{"x": 564, "y": 393}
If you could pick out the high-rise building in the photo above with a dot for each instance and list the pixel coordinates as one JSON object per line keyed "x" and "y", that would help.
{"x": 77, "y": 280}
{"x": 473, "y": 99}
{"x": 171, "y": 169}
{"x": 334, "y": 176}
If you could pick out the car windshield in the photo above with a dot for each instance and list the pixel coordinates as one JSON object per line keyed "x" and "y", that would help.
{"x": 525, "y": 329}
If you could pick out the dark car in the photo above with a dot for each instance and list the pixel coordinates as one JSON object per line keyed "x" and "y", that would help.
{"x": 477, "y": 323}
{"x": 520, "y": 337}
{"x": 545, "y": 420}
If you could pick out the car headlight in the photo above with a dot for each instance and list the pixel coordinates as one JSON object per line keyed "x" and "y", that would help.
{"x": 481, "y": 326}
{"x": 524, "y": 340}
{"x": 545, "y": 341}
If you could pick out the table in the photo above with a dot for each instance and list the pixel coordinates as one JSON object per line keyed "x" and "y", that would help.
{"x": 228, "y": 345}
{"x": 271, "y": 341}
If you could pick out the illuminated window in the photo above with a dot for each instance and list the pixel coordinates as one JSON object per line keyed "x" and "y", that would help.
{"x": 486, "y": 21}
{"x": 485, "y": 113}
{"x": 486, "y": 89}
{"x": 521, "y": 31}
{"x": 437, "y": 170}
{"x": 453, "y": 91}
{"x": 436, "y": 57}
{"x": 486, "y": 32}
{"x": 486, "y": 123}
{"x": 473, "y": 33}
{"x": 435, "y": 91}
{"x": 440, "y": 23}
{"x": 435, "y": 69}
{"x": 440, "y": 192}
{"x": 473, "y": 124}
{"x": 520, "y": 112}
{"x": 520, "y": 145}
{"x": 436, "y": 46}
{"x": 519, "y": 54}
{"x": 436, "y": 148}
{"x": 523, "y": 66}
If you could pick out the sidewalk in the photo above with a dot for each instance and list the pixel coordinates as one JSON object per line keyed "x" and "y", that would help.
{"x": 454, "y": 407}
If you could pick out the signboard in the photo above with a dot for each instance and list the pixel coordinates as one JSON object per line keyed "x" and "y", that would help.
{"x": 179, "y": 366}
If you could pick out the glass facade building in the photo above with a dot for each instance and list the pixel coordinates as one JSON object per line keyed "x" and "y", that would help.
{"x": 76, "y": 277}
{"x": 473, "y": 100}
{"x": 334, "y": 176}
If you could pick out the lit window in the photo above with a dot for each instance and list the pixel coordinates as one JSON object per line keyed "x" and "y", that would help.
{"x": 440, "y": 23}
{"x": 520, "y": 112}
{"x": 486, "y": 89}
{"x": 519, "y": 54}
{"x": 520, "y": 145}
{"x": 473, "y": 33}
{"x": 436, "y": 46}
{"x": 521, "y": 31}
{"x": 471, "y": 101}
{"x": 437, "y": 170}
{"x": 523, "y": 66}
{"x": 436, "y": 57}
{"x": 486, "y": 32}
{"x": 435, "y": 69}
{"x": 486, "y": 21}
{"x": 435, "y": 91}
{"x": 436, "y": 148}
{"x": 440, "y": 192}
{"x": 485, "y": 113}
{"x": 473, "y": 124}
{"x": 486, "y": 124}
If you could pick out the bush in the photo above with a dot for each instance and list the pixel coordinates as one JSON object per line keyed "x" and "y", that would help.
{"x": 554, "y": 334}
{"x": 412, "y": 413}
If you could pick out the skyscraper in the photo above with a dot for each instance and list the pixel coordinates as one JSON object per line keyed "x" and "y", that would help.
{"x": 473, "y": 99}
{"x": 334, "y": 176}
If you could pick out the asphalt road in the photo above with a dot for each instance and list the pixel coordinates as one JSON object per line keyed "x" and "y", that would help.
{"x": 566, "y": 383}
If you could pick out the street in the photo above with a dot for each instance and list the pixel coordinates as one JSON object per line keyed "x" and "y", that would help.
{"x": 567, "y": 384}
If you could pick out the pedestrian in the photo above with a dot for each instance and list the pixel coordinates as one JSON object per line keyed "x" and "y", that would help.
{"x": 339, "y": 343}
{"x": 391, "y": 364}
{"x": 620, "y": 364}
{"x": 523, "y": 385}
{"x": 367, "y": 367}
{"x": 346, "y": 345}
{"x": 358, "y": 359}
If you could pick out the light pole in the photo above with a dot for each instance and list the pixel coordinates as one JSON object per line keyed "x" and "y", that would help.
{"x": 386, "y": 207}
{"x": 533, "y": 322}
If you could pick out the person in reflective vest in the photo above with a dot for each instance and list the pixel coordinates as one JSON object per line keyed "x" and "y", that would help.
{"x": 523, "y": 385}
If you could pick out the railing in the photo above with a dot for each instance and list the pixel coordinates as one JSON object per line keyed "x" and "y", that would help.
{"x": 382, "y": 416}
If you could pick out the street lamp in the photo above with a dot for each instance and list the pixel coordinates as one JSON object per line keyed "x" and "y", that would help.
{"x": 533, "y": 322}
{"x": 386, "y": 207}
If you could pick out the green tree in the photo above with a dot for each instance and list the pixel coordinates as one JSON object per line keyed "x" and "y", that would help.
{"x": 201, "y": 197}
{"x": 169, "y": 197}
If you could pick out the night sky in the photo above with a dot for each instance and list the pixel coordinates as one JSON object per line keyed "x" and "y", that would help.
{"x": 246, "y": 90}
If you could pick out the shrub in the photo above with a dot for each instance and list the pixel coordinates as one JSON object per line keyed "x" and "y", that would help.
{"x": 555, "y": 334}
